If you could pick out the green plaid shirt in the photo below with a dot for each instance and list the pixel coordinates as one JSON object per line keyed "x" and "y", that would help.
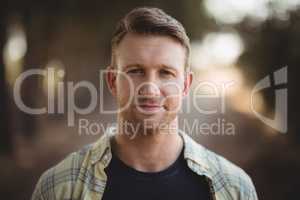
{"x": 81, "y": 175}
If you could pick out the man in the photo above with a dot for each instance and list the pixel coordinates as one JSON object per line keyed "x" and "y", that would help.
{"x": 146, "y": 156}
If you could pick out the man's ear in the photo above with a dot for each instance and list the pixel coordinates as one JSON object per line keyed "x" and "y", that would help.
{"x": 188, "y": 79}
{"x": 111, "y": 77}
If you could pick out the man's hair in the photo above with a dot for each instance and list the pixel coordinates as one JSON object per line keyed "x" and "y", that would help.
{"x": 150, "y": 21}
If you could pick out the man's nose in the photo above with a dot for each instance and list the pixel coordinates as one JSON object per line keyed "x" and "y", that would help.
{"x": 149, "y": 89}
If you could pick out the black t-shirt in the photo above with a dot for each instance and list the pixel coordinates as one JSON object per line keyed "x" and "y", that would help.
{"x": 177, "y": 182}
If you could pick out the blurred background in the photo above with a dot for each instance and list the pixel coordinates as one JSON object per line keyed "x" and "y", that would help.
{"x": 240, "y": 41}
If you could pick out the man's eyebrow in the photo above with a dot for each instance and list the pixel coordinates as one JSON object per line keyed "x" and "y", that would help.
{"x": 137, "y": 65}
{"x": 168, "y": 67}
{"x": 133, "y": 65}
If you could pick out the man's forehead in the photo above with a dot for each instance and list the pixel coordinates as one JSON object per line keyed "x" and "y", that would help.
{"x": 150, "y": 50}
{"x": 150, "y": 40}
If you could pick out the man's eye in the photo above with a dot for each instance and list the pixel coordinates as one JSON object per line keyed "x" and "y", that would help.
{"x": 136, "y": 71}
{"x": 166, "y": 73}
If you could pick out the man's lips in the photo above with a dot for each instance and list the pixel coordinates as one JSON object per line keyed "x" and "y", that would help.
{"x": 150, "y": 107}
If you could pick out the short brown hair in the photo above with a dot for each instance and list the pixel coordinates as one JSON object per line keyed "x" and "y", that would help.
{"x": 150, "y": 21}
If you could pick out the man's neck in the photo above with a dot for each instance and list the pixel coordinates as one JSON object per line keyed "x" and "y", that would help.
{"x": 149, "y": 152}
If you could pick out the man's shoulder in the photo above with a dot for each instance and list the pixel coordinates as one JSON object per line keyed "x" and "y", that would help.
{"x": 225, "y": 175}
{"x": 72, "y": 163}
{"x": 230, "y": 172}
{"x": 63, "y": 176}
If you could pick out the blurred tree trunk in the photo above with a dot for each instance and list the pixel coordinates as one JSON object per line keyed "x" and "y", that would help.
{"x": 5, "y": 131}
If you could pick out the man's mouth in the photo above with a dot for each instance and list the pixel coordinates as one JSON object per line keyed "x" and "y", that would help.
{"x": 150, "y": 107}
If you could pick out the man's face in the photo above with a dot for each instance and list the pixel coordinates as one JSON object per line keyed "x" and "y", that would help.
{"x": 151, "y": 80}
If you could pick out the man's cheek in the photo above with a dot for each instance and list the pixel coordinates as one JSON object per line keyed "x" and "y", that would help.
{"x": 172, "y": 103}
{"x": 123, "y": 98}
{"x": 172, "y": 88}
{"x": 125, "y": 89}
{"x": 173, "y": 95}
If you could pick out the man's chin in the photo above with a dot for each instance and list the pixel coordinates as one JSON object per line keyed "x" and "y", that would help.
{"x": 149, "y": 111}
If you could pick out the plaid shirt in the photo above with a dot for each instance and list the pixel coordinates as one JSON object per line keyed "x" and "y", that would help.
{"x": 81, "y": 175}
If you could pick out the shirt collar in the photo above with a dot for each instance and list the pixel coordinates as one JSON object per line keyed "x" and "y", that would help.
{"x": 194, "y": 151}
{"x": 101, "y": 150}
